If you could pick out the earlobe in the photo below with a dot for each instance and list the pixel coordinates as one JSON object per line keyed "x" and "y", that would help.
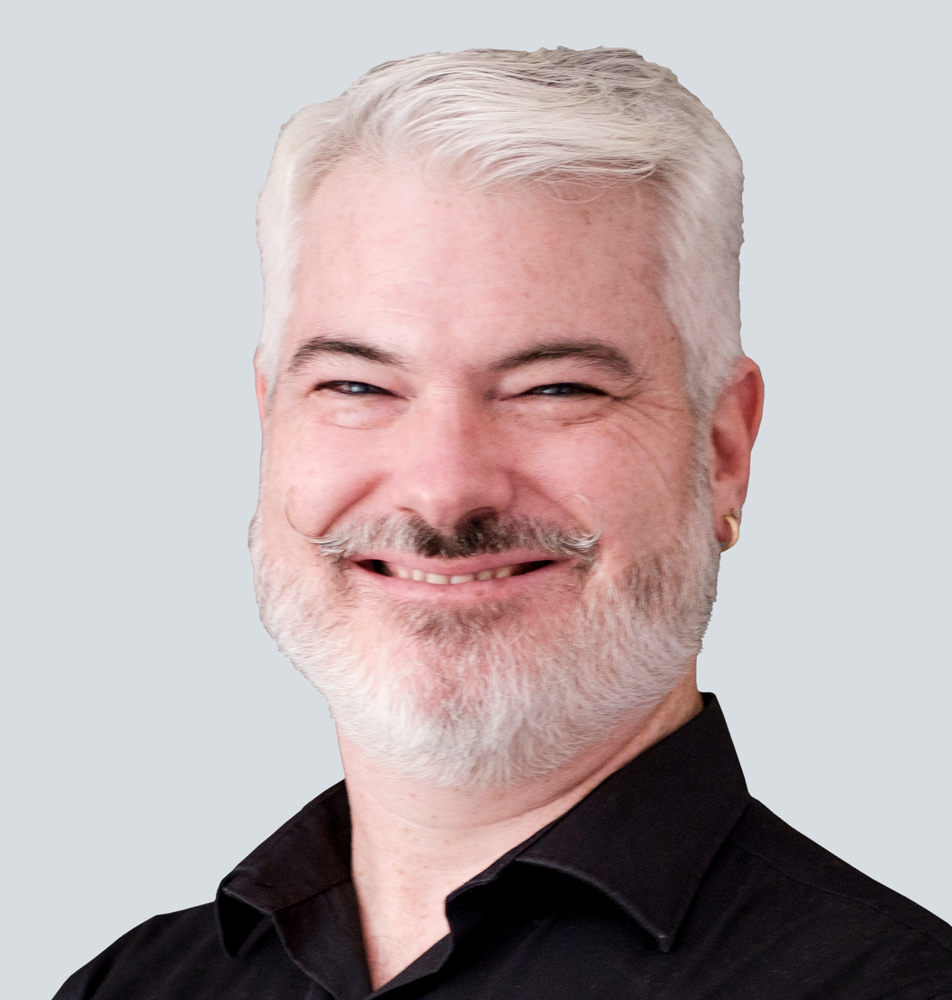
{"x": 733, "y": 522}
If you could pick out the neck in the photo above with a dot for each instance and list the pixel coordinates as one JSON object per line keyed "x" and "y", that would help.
{"x": 414, "y": 844}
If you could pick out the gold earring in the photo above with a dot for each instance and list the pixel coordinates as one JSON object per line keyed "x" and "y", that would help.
{"x": 733, "y": 519}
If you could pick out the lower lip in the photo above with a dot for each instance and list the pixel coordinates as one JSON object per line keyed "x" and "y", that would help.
{"x": 466, "y": 593}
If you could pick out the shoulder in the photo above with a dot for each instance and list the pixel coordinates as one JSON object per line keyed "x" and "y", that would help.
{"x": 180, "y": 954}
{"x": 156, "y": 943}
{"x": 831, "y": 916}
{"x": 796, "y": 859}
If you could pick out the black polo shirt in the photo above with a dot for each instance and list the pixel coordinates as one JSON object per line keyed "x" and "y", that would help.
{"x": 667, "y": 881}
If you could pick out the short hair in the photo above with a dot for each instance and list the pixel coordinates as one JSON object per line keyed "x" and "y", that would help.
{"x": 499, "y": 118}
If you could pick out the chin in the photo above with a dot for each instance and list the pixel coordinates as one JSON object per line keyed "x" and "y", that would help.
{"x": 499, "y": 693}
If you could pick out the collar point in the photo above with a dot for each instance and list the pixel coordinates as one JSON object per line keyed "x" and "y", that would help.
{"x": 665, "y": 943}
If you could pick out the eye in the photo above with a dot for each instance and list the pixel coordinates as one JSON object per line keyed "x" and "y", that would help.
{"x": 565, "y": 389}
{"x": 347, "y": 388}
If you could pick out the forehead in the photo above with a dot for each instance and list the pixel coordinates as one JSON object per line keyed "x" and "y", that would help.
{"x": 401, "y": 254}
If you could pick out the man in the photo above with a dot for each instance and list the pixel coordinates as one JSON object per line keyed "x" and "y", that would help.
{"x": 507, "y": 428}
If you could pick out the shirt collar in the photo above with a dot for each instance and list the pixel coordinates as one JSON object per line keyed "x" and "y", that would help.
{"x": 644, "y": 837}
{"x": 647, "y": 834}
{"x": 302, "y": 859}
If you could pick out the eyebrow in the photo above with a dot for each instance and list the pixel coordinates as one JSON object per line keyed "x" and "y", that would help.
{"x": 337, "y": 345}
{"x": 596, "y": 353}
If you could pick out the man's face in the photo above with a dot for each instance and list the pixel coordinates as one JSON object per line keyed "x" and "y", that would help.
{"x": 470, "y": 382}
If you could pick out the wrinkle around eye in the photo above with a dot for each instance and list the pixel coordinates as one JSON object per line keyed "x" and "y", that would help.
{"x": 352, "y": 403}
{"x": 557, "y": 409}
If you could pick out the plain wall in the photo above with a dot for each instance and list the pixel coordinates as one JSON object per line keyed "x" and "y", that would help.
{"x": 152, "y": 734}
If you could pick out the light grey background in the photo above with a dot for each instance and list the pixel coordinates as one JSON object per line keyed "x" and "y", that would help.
{"x": 152, "y": 735}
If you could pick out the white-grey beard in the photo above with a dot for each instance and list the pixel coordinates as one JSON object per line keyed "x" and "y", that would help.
{"x": 477, "y": 697}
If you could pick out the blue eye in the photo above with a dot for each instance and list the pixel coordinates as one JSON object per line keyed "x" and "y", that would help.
{"x": 563, "y": 389}
{"x": 347, "y": 388}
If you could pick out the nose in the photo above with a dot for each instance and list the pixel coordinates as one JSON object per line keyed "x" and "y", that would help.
{"x": 450, "y": 463}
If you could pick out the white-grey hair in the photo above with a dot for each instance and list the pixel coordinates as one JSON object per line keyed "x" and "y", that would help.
{"x": 496, "y": 118}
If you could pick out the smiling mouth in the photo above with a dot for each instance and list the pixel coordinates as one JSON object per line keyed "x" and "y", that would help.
{"x": 439, "y": 579}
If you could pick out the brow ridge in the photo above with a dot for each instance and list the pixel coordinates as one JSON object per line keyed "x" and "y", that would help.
{"x": 594, "y": 351}
{"x": 331, "y": 344}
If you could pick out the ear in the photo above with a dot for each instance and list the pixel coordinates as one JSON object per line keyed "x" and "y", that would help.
{"x": 261, "y": 391}
{"x": 734, "y": 426}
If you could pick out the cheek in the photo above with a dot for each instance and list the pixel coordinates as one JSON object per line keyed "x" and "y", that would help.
{"x": 315, "y": 473}
{"x": 639, "y": 489}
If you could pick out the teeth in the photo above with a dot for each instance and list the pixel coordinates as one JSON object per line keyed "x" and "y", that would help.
{"x": 422, "y": 577}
